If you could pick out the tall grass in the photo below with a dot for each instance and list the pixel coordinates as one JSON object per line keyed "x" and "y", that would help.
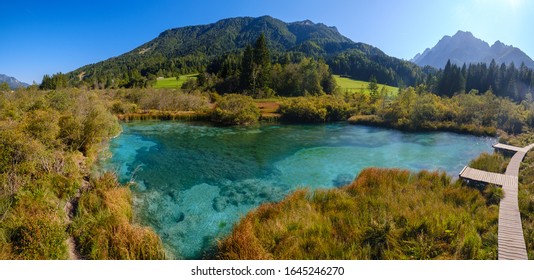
{"x": 383, "y": 214}
{"x": 103, "y": 225}
{"x": 526, "y": 201}
{"x": 495, "y": 162}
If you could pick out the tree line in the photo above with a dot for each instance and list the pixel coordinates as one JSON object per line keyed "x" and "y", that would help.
{"x": 257, "y": 74}
{"x": 504, "y": 80}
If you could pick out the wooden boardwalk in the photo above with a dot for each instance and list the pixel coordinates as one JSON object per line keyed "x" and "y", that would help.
{"x": 511, "y": 241}
{"x": 505, "y": 147}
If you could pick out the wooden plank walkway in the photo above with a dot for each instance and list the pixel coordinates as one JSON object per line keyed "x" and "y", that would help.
{"x": 505, "y": 147}
{"x": 486, "y": 177}
{"x": 511, "y": 241}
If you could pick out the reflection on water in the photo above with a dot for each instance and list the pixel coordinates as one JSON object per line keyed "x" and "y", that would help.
{"x": 194, "y": 181}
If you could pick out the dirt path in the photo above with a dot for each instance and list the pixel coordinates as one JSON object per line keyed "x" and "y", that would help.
{"x": 71, "y": 247}
{"x": 70, "y": 211}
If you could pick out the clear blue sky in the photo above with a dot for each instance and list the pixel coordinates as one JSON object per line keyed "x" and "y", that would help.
{"x": 46, "y": 37}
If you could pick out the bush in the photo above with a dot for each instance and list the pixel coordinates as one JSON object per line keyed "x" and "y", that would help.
{"x": 43, "y": 125}
{"x": 36, "y": 225}
{"x": 40, "y": 238}
{"x": 314, "y": 109}
{"x": 172, "y": 100}
{"x": 236, "y": 109}
{"x": 120, "y": 107}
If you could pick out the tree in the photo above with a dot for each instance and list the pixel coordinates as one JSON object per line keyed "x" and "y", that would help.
{"x": 373, "y": 88}
{"x": 247, "y": 68}
{"x": 4, "y": 86}
{"x": 308, "y": 77}
{"x": 262, "y": 62}
{"x": 452, "y": 80}
{"x": 56, "y": 81}
{"x": 256, "y": 67}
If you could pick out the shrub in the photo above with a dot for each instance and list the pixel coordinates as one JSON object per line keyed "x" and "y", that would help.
{"x": 120, "y": 107}
{"x": 236, "y": 109}
{"x": 36, "y": 225}
{"x": 43, "y": 125}
{"x": 40, "y": 237}
{"x": 314, "y": 109}
{"x": 172, "y": 100}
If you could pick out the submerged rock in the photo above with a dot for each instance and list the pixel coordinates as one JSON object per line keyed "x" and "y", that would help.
{"x": 220, "y": 203}
{"x": 342, "y": 180}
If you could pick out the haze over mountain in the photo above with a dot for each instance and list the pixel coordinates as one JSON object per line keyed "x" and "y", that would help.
{"x": 463, "y": 47}
{"x": 191, "y": 49}
{"x": 12, "y": 82}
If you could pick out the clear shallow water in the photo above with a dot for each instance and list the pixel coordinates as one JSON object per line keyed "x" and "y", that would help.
{"x": 194, "y": 181}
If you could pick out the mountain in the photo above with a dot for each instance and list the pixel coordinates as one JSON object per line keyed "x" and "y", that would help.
{"x": 191, "y": 49}
{"x": 463, "y": 47}
{"x": 12, "y": 82}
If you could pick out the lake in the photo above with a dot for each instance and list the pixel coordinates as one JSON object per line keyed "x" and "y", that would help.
{"x": 195, "y": 180}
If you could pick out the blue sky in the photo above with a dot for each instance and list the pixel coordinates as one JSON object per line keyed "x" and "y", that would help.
{"x": 46, "y": 37}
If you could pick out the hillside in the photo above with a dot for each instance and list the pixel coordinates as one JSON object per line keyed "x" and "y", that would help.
{"x": 463, "y": 47}
{"x": 12, "y": 82}
{"x": 191, "y": 49}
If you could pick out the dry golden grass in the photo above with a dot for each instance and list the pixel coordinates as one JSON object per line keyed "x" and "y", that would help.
{"x": 103, "y": 226}
{"x": 384, "y": 214}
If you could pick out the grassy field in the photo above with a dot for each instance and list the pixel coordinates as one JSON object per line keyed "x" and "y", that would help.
{"x": 349, "y": 85}
{"x": 173, "y": 82}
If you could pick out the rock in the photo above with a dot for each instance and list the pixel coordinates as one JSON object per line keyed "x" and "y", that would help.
{"x": 180, "y": 217}
{"x": 343, "y": 180}
{"x": 220, "y": 203}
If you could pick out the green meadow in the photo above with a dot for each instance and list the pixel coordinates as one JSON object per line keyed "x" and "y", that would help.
{"x": 173, "y": 82}
{"x": 349, "y": 85}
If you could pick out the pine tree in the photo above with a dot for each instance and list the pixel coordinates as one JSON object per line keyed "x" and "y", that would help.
{"x": 256, "y": 67}
{"x": 262, "y": 63}
{"x": 247, "y": 68}
{"x": 444, "y": 82}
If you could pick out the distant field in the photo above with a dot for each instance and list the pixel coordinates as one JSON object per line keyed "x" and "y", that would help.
{"x": 173, "y": 82}
{"x": 350, "y": 85}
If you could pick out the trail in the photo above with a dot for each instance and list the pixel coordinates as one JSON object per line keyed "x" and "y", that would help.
{"x": 70, "y": 210}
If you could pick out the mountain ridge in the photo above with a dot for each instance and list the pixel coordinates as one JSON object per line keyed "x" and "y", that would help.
{"x": 464, "y": 47}
{"x": 12, "y": 82}
{"x": 190, "y": 49}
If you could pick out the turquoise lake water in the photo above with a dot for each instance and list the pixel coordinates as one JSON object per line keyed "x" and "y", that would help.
{"x": 194, "y": 181}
